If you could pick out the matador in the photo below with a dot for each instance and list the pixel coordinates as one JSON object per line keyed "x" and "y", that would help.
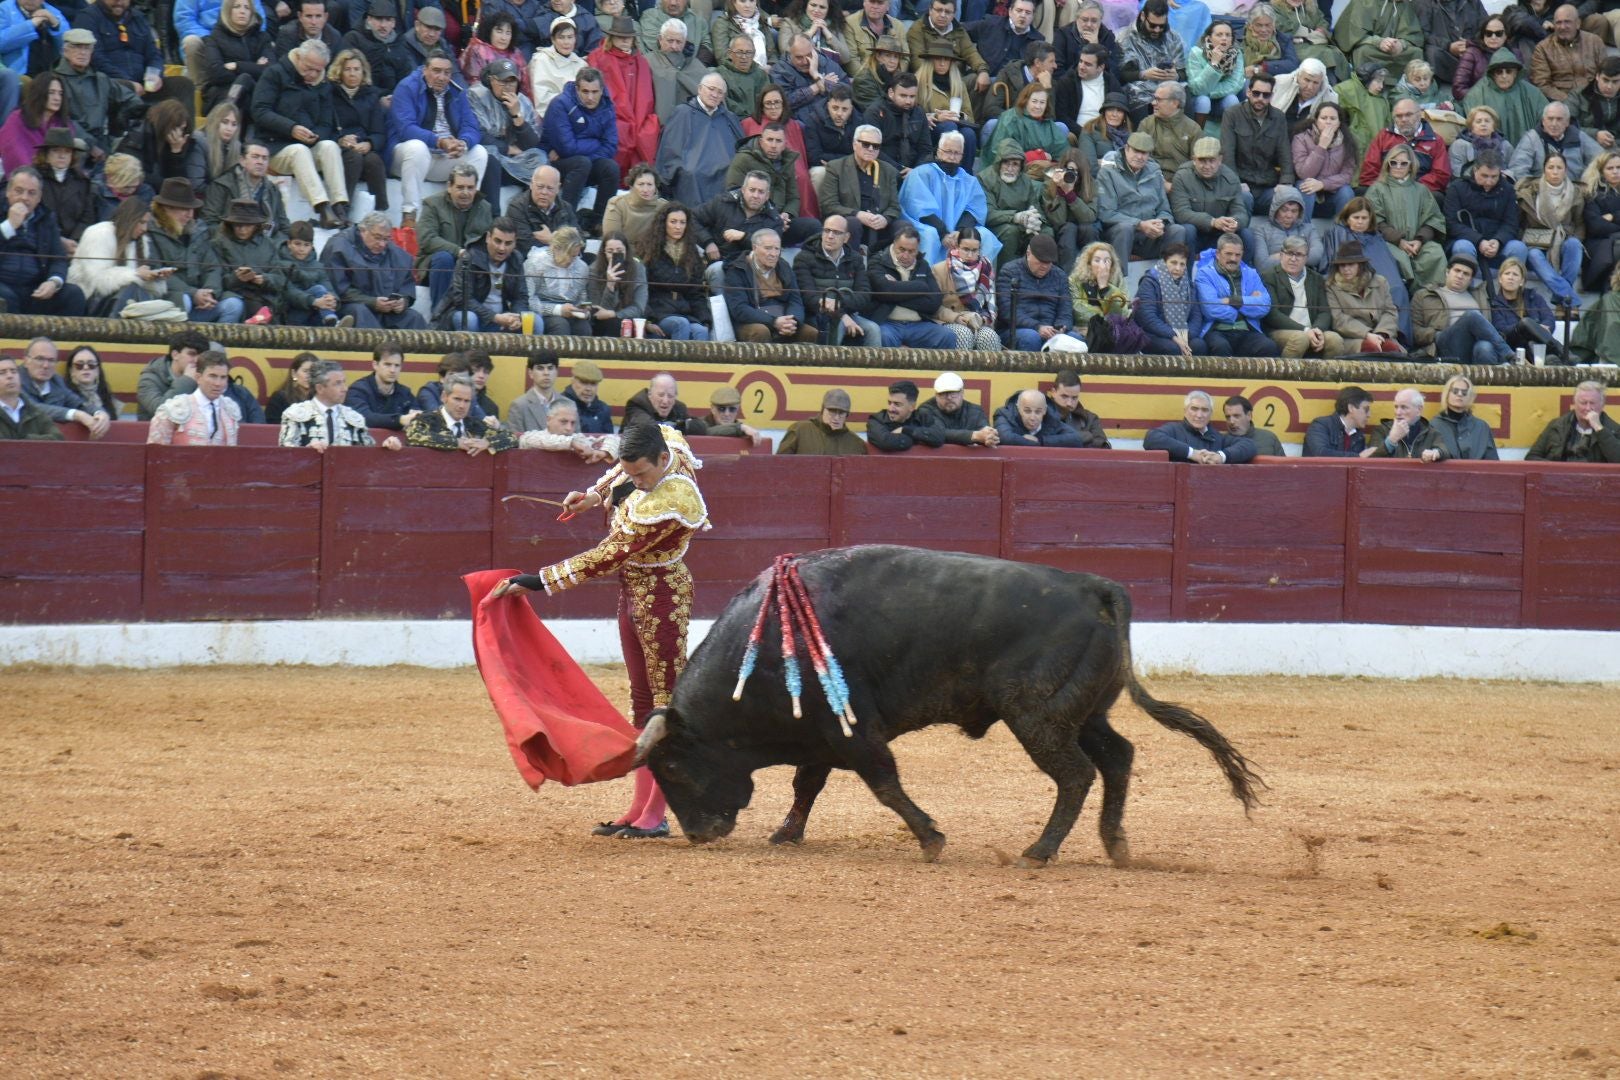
{"x": 654, "y": 509}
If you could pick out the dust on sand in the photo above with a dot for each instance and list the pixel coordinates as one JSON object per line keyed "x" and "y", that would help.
{"x": 292, "y": 872}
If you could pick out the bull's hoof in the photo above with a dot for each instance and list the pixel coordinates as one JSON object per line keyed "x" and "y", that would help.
{"x": 1119, "y": 853}
{"x": 932, "y": 847}
{"x": 1030, "y": 862}
{"x": 788, "y": 835}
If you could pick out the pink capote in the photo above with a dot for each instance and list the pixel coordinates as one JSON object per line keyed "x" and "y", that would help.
{"x": 559, "y": 726}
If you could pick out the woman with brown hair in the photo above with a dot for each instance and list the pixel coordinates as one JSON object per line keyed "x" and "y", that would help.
{"x": 163, "y": 142}
{"x": 677, "y": 297}
{"x": 87, "y": 377}
{"x": 44, "y": 106}
{"x": 1363, "y": 313}
{"x": 297, "y": 387}
{"x": 1107, "y": 131}
{"x": 1070, "y": 190}
{"x": 1028, "y": 124}
{"x": 633, "y": 212}
{"x": 113, "y": 263}
{"x": 771, "y": 107}
{"x": 617, "y": 287}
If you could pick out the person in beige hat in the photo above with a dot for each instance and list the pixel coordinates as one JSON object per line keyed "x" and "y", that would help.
{"x": 725, "y": 415}
{"x": 828, "y": 435}
{"x": 595, "y": 418}
{"x": 868, "y": 29}
{"x": 1132, "y": 205}
{"x": 1207, "y": 196}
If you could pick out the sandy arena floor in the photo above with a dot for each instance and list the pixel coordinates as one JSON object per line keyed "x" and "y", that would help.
{"x": 288, "y": 872}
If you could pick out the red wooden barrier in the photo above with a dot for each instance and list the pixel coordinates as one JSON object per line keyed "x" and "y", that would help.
{"x": 1262, "y": 544}
{"x": 268, "y": 533}
{"x": 232, "y": 532}
{"x": 399, "y": 529}
{"x": 931, "y": 502}
{"x": 1091, "y": 511}
{"x": 1443, "y": 547}
{"x": 73, "y": 520}
{"x": 1572, "y": 547}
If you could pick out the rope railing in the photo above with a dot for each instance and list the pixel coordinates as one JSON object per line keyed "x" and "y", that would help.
{"x": 294, "y": 339}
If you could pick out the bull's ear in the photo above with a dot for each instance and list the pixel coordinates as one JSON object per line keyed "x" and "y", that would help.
{"x": 657, "y": 727}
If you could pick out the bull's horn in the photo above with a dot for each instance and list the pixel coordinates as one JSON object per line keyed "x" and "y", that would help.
{"x": 657, "y": 727}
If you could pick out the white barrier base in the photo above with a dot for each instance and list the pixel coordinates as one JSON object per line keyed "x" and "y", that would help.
{"x": 1352, "y": 650}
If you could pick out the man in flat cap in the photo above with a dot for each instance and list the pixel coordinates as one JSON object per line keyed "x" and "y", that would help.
{"x": 828, "y": 435}
{"x": 725, "y": 415}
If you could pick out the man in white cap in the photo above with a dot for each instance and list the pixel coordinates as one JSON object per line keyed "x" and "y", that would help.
{"x": 964, "y": 422}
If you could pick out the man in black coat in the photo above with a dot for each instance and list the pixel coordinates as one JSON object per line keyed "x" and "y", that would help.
{"x": 1087, "y": 29}
{"x": 660, "y": 403}
{"x": 901, "y": 426}
{"x": 1194, "y": 439}
{"x": 380, "y": 397}
{"x": 905, "y": 294}
{"x": 1341, "y": 434}
{"x": 906, "y": 142}
{"x": 1063, "y": 403}
{"x": 1085, "y": 85}
{"x": 963, "y": 422}
{"x": 311, "y": 22}
{"x": 836, "y": 291}
{"x": 293, "y": 111}
{"x": 1001, "y": 38}
{"x": 538, "y": 211}
{"x": 724, "y": 226}
{"x": 390, "y": 59}
{"x": 487, "y": 266}
{"x": 33, "y": 262}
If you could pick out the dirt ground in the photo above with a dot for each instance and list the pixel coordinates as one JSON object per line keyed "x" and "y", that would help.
{"x": 293, "y": 872}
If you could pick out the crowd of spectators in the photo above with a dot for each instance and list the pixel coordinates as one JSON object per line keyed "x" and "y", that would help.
{"x": 188, "y": 396}
{"x": 881, "y": 173}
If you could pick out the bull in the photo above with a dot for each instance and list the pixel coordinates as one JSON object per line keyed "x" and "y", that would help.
{"x": 924, "y": 638}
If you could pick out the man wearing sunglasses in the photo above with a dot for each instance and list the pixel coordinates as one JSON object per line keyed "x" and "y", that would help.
{"x": 1151, "y": 53}
{"x": 1256, "y": 144}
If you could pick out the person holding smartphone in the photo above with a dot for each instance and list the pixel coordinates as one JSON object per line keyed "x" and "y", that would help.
{"x": 617, "y": 287}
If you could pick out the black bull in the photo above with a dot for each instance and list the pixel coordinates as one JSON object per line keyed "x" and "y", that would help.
{"x": 924, "y": 638}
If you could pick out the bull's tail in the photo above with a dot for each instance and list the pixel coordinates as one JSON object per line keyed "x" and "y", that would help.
{"x": 1239, "y": 772}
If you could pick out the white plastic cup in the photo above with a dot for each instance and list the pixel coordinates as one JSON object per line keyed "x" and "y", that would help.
{"x": 641, "y": 327}
{"x": 1539, "y": 351}
{"x": 956, "y": 104}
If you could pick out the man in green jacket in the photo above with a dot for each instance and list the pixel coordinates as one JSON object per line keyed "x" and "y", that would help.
{"x": 21, "y": 418}
{"x": 1015, "y": 203}
{"x": 447, "y": 223}
{"x": 1584, "y": 433}
{"x": 828, "y": 434}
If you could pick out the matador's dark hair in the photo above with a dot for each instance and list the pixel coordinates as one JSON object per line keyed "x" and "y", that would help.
{"x": 642, "y": 440}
